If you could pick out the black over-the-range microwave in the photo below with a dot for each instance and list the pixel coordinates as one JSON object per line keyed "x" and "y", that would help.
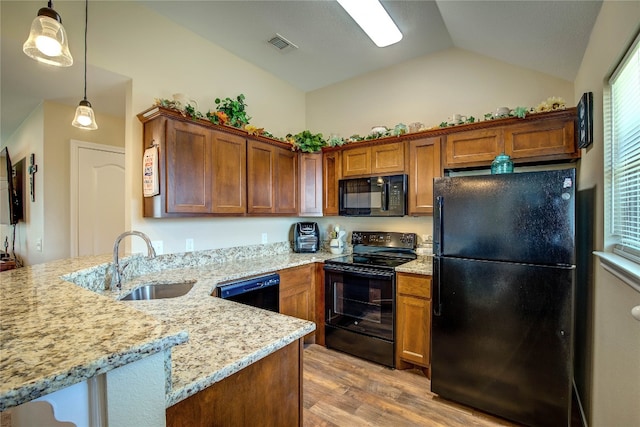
{"x": 373, "y": 196}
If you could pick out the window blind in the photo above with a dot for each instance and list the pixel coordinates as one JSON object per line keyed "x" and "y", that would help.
{"x": 622, "y": 157}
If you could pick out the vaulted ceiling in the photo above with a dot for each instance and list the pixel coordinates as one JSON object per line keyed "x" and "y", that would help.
{"x": 547, "y": 36}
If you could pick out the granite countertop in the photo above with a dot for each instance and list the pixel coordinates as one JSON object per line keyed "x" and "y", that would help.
{"x": 422, "y": 265}
{"x": 224, "y": 336}
{"x": 54, "y": 334}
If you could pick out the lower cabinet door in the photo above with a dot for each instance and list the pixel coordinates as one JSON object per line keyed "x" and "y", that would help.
{"x": 414, "y": 325}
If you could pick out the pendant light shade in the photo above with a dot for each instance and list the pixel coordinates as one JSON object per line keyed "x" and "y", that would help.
{"x": 47, "y": 40}
{"x": 84, "y": 118}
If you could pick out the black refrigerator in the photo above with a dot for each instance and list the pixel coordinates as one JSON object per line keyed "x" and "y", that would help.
{"x": 503, "y": 292}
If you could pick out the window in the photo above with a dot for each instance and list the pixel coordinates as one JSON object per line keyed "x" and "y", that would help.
{"x": 622, "y": 157}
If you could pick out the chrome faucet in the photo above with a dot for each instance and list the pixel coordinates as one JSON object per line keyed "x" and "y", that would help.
{"x": 117, "y": 269}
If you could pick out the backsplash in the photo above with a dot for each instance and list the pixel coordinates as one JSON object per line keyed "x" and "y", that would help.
{"x": 96, "y": 278}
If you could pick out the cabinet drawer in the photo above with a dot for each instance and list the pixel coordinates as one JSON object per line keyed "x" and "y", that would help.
{"x": 414, "y": 284}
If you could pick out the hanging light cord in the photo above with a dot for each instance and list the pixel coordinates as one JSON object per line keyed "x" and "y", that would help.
{"x": 86, "y": 22}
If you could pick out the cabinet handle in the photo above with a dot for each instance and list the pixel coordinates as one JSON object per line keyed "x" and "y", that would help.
{"x": 635, "y": 312}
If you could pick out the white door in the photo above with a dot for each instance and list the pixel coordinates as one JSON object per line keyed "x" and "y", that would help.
{"x": 97, "y": 210}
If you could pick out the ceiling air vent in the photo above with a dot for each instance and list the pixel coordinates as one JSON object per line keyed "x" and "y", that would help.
{"x": 282, "y": 44}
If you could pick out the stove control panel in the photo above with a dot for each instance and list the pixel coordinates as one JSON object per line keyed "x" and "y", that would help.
{"x": 386, "y": 239}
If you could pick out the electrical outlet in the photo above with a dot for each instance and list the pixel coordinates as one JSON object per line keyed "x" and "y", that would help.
{"x": 265, "y": 238}
{"x": 189, "y": 245}
{"x": 39, "y": 244}
{"x": 157, "y": 246}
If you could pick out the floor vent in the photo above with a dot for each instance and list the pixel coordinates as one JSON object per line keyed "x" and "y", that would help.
{"x": 282, "y": 44}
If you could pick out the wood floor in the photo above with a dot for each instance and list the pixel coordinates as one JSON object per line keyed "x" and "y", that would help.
{"x": 343, "y": 391}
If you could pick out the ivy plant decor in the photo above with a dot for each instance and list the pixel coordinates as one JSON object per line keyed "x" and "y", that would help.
{"x": 230, "y": 112}
{"x": 307, "y": 141}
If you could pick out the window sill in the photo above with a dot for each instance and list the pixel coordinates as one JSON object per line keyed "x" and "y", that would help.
{"x": 622, "y": 268}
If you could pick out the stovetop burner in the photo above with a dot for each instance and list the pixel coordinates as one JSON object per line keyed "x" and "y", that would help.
{"x": 375, "y": 249}
{"x": 374, "y": 261}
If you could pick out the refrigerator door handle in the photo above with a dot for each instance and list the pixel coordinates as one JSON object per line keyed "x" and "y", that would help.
{"x": 437, "y": 305}
{"x": 438, "y": 235}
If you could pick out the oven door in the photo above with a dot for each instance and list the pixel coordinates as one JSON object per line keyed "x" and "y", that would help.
{"x": 360, "y": 301}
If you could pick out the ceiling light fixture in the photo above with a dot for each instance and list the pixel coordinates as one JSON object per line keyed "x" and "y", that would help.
{"x": 47, "y": 40}
{"x": 85, "y": 119}
{"x": 374, "y": 20}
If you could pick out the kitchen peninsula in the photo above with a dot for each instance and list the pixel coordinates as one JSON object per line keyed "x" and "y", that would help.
{"x": 55, "y": 334}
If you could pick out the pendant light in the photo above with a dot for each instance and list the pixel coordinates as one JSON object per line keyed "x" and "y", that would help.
{"x": 47, "y": 40}
{"x": 85, "y": 119}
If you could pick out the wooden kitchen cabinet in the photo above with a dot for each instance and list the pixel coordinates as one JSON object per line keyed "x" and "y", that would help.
{"x": 272, "y": 179}
{"x": 540, "y": 138}
{"x": 424, "y": 164}
{"x": 310, "y": 184}
{"x": 267, "y": 392}
{"x": 188, "y": 168}
{"x": 413, "y": 320}
{"x": 202, "y": 171}
{"x": 331, "y": 174}
{"x": 383, "y": 159}
{"x": 297, "y": 294}
{"x": 474, "y": 147}
{"x": 229, "y": 177}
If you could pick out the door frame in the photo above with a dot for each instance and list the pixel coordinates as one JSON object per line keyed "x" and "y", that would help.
{"x": 74, "y": 148}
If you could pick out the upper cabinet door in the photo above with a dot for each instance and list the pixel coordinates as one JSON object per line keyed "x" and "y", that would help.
{"x": 310, "y": 184}
{"x": 356, "y": 161}
{"x": 331, "y": 173}
{"x": 260, "y": 174}
{"x": 229, "y": 181}
{"x": 387, "y": 158}
{"x": 272, "y": 179}
{"x": 381, "y": 159}
{"x": 540, "y": 139}
{"x": 286, "y": 181}
{"x": 473, "y": 148}
{"x": 188, "y": 168}
{"x": 424, "y": 164}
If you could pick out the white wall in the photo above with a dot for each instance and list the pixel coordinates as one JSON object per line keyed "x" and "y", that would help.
{"x": 55, "y": 167}
{"x": 28, "y": 139}
{"x": 163, "y": 58}
{"x": 616, "y": 338}
{"x": 47, "y": 134}
{"x": 429, "y": 90}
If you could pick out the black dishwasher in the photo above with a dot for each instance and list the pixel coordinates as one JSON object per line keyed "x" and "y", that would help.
{"x": 260, "y": 291}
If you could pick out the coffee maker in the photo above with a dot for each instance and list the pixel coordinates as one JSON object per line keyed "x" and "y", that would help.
{"x": 306, "y": 237}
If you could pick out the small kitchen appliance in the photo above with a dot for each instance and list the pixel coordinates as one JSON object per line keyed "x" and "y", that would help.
{"x": 373, "y": 196}
{"x": 360, "y": 295}
{"x": 503, "y": 294}
{"x": 306, "y": 237}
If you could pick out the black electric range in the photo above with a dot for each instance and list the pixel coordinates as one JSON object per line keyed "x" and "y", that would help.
{"x": 383, "y": 250}
{"x": 360, "y": 295}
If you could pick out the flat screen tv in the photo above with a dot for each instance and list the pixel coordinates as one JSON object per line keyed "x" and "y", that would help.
{"x": 10, "y": 190}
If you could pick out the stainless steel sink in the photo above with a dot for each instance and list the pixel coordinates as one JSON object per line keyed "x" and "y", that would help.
{"x": 159, "y": 290}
